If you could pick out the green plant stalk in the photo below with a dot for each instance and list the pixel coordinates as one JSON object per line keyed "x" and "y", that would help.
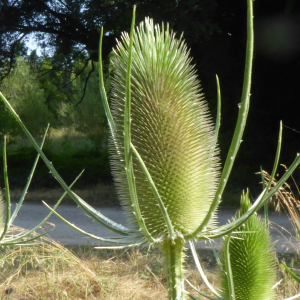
{"x": 266, "y": 210}
{"x": 241, "y": 122}
{"x": 127, "y": 143}
{"x": 198, "y": 265}
{"x": 173, "y": 253}
{"x": 228, "y": 268}
{"x": 266, "y": 207}
{"x": 218, "y": 118}
{"x": 7, "y": 193}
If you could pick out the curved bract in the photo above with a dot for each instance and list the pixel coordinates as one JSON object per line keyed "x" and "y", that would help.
{"x": 1, "y": 212}
{"x": 171, "y": 130}
{"x": 8, "y": 236}
{"x": 252, "y": 260}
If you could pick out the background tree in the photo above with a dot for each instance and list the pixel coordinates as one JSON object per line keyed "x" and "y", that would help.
{"x": 23, "y": 90}
{"x": 72, "y": 28}
{"x": 68, "y": 31}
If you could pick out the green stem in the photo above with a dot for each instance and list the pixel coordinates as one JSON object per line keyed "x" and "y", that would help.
{"x": 240, "y": 126}
{"x": 127, "y": 143}
{"x": 228, "y": 268}
{"x": 266, "y": 208}
{"x": 173, "y": 253}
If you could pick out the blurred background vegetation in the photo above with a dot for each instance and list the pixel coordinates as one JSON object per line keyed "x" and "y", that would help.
{"x": 78, "y": 134}
{"x": 57, "y": 82}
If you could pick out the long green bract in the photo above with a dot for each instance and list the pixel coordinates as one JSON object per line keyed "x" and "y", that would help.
{"x": 241, "y": 122}
{"x": 127, "y": 143}
{"x": 13, "y": 216}
{"x": 19, "y": 239}
{"x": 116, "y": 240}
{"x": 228, "y": 269}
{"x": 198, "y": 265}
{"x": 156, "y": 195}
{"x": 261, "y": 200}
{"x": 202, "y": 294}
{"x": 7, "y": 193}
{"x": 218, "y": 118}
{"x": 86, "y": 207}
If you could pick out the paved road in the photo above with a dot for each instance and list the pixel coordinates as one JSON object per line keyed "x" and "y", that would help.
{"x": 31, "y": 214}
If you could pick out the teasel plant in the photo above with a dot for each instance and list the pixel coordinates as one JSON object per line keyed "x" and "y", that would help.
{"x": 286, "y": 200}
{"x": 8, "y": 236}
{"x": 248, "y": 268}
{"x": 247, "y": 265}
{"x": 164, "y": 152}
{"x": 247, "y": 262}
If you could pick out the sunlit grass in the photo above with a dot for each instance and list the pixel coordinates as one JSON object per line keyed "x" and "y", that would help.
{"x": 48, "y": 270}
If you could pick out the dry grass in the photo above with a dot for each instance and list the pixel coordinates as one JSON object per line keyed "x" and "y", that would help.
{"x": 285, "y": 199}
{"x": 48, "y": 270}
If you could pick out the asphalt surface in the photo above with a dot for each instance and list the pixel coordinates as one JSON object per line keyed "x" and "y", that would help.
{"x": 31, "y": 214}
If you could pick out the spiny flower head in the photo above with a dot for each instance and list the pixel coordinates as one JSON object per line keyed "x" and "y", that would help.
{"x": 252, "y": 259}
{"x": 170, "y": 127}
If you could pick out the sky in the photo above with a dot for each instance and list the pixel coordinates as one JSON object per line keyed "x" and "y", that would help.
{"x": 32, "y": 45}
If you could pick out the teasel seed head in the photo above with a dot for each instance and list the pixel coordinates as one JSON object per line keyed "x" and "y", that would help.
{"x": 170, "y": 127}
{"x": 252, "y": 259}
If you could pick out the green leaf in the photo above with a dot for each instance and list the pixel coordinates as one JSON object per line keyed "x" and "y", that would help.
{"x": 293, "y": 275}
{"x": 241, "y": 122}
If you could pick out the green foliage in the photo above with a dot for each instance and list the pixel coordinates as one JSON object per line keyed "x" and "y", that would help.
{"x": 71, "y": 157}
{"x": 170, "y": 127}
{"x": 7, "y": 124}
{"x": 8, "y": 236}
{"x": 28, "y": 98}
{"x": 64, "y": 92}
{"x": 87, "y": 116}
{"x": 252, "y": 259}
{"x": 52, "y": 99}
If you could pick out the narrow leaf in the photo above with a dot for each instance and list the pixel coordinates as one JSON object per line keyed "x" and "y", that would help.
{"x": 198, "y": 265}
{"x": 241, "y": 122}
{"x": 156, "y": 194}
{"x": 127, "y": 143}
{"x": 7, "y": 193}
